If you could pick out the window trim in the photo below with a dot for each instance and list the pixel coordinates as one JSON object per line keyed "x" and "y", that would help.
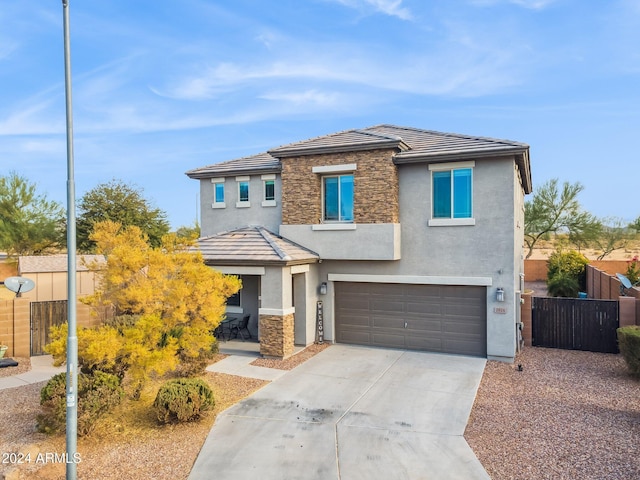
{"x": 452, "y": 221}
{"x": 239, "y": 181}
{"x": 215, "y": 182}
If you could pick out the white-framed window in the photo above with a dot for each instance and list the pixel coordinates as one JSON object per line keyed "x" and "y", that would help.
{"x": 218, "y": 193}
{"x": 337, "y": 192}
{"x": 269, "y": 190}
{"x": 452, "y": 194}
{"x": 337, "y": 198}
{"x": 243, "y": 192}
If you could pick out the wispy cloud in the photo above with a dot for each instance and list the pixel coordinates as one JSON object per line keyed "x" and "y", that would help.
{"x": 530, "y": 4}
{"x": 392, "y": 8}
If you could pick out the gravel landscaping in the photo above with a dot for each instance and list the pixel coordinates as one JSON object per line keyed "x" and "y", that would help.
{"x": 566, "y": 415}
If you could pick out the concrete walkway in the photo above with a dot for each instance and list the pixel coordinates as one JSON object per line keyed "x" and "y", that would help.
{"x": 42, "y": 369}
{"x": 351, "y": 413}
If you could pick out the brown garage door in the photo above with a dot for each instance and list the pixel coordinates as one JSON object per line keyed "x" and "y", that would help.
{"x": 437, "y": 318}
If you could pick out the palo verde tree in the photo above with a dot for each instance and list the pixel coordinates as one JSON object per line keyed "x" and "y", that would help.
{"x": 118, "y": 202}
{"x": 554, "y": 210}
{"x": 172, "y": 302}
{"x": 29, "y": 223}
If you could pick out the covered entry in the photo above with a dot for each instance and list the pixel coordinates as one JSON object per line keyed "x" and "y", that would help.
{"x": 437, "y": 318}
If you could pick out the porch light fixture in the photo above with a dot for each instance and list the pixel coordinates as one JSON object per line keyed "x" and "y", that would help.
{"x": 323, "y": 288}
{"x": 500, "y": 294}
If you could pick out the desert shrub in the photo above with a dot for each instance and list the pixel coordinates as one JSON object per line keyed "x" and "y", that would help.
{"x": 183, "y": 400}
{"x": 629, "y": 343}
{"x": 563, "y": 284}
{"x": 98, "y": 393}
{"x": 564, "y": 266}
{"x": 190, "y": 366}
{"x": 633, "y": 270}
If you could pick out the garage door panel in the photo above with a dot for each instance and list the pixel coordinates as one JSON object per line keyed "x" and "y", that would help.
{"x": 424, "y": 343}
{"x": 357, "y": 321}
{"x": 358, "y": 337}
{"x": 423, "y": 317}
{"x": 380, "y": 305}
{"x": 387, "y": 322}
{"x": 382, "y": 339}
{"x": 424, "y": 308}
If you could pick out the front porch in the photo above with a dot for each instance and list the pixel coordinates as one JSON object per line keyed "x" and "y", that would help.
{"x": 279, "y": 289}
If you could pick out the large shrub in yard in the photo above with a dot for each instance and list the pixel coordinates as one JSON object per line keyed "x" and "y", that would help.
{"x": 566, "y": 273}
{"x": 183, "y": 400}
{"x": 98, "y": 393}
{"x": 629, "y": 343}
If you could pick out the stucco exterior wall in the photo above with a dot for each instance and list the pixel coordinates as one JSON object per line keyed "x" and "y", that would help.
{"x": 486, "y": 249}
{"x": 217, "y": 220}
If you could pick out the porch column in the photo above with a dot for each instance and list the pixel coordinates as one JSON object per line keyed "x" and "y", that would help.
{"x": 277, "y": 313}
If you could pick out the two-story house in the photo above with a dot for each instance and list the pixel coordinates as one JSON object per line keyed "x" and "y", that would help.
{"x": 398, "y": 237}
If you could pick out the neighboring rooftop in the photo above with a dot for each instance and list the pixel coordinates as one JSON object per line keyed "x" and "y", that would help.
{"x": 254, "y": 245}
{"x": 56, "y": 263}
{"x": 411, "y": 145}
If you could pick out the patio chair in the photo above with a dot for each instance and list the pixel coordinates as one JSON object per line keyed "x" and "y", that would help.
{"x": 239, "y": 327}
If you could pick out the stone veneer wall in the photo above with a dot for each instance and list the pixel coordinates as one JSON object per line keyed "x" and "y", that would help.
{"x": 276, "y": 335}
{"x": 375, "y": 187}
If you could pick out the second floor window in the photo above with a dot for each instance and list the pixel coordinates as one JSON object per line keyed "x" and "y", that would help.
{"x": 218, "y": 192}
{"x": 243, "y": 191}
{"x": 337, "y": 191}
{"x": 269, "y": 190}
{"x": 452, "y": 193}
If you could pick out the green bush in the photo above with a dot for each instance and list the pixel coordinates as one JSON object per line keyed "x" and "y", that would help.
{"x": 629, "y": 343}
{"x": 183, "y": 400}
{"x": 563, "y": 284}
{"x": 98, "y": 393}
{"x": 562, "y": 267}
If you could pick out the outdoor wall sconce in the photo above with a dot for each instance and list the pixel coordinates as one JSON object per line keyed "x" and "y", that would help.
{"x": 323, "y": 288}
{"x": 500, "y": 294}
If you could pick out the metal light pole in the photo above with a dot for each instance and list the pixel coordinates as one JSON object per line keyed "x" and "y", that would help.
{"x": 72, "y": 339}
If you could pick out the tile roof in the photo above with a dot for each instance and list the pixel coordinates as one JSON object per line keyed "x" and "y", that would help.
{"x": 253, "y": 245}
{"x": 411, "y": 145}
{"x": 55, "y": 263}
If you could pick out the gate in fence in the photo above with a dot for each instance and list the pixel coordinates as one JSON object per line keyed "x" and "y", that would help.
{"x": 43, "y": 316}
{"x": 575, "y": 324}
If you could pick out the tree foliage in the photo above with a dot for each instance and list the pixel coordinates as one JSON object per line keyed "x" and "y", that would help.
{"x": 118, "y": 202}
{"x": 172, "y": 299}
{"x": 29, "y": 223}
{"x": 566, "y": 273}
{"x": 613, "y": 235}
{"x": 553, "y": 210}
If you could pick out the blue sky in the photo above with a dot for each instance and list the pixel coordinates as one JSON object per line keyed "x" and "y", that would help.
{"x": 161, "y": 87}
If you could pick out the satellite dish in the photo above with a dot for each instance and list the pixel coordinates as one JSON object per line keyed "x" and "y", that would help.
{"x": 19, "y": 284}
{"x": 626, "y": 283}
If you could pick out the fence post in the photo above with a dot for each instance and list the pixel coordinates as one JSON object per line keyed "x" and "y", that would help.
{"x": 627, "y": 311}
{"x": 525, "y": 316}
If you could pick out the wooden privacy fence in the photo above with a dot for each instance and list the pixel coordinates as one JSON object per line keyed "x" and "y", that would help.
{"x": 43, "y": 316}
{"x": 575, "y": 324}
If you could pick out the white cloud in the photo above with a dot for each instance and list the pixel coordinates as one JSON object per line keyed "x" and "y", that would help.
{"x": 530, "y": 4}
{"x": 308, "y": 97}
{"x": 392, "y": 8}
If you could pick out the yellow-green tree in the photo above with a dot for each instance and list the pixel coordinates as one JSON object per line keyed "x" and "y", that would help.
{"x": 176, "y": 302}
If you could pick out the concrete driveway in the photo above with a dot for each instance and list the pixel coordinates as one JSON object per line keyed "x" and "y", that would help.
{"x": 352, "y": 413}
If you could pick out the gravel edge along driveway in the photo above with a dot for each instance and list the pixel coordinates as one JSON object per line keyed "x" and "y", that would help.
{"x": 567, "y": 415}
